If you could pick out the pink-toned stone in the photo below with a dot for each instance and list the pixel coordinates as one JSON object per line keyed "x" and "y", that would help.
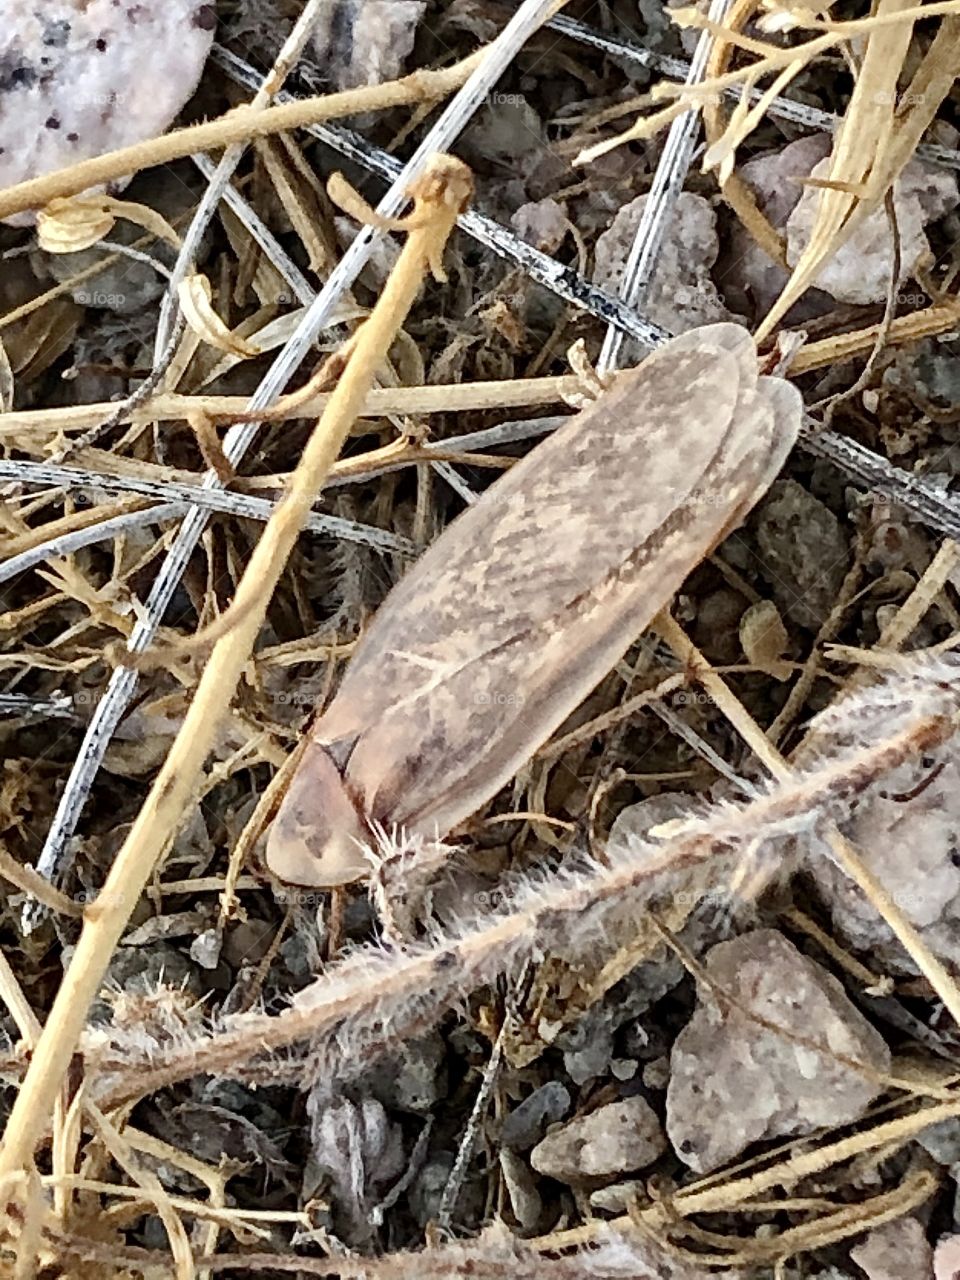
{"x": 747, "y": 276}
{"x": 859, "y": 270}
{"x": 895, "y": 1250}
{"x": 946, "y": 1259}
{"x": 735, "y": 1081}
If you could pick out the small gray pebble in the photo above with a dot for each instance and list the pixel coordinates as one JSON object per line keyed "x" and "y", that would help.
{"x": 527, "y": 1123}
{"x": 522, "y": 1190}
{"x": 656, "y": 1074}
{"x": 803, "y": 553}
{"x": 623, "y": 1068}
{"x": 942, "y": 1141}
{"x": 413, "y": 1079}
{"x": 618, "y": 1197}
{"x": 205, "y": 948}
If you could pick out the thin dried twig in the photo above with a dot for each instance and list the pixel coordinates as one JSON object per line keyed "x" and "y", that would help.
{"x": 451, "y": 397}
{"x": 299, "y": 285}
{"x": 540, "y": 267}
{"x": 170, "y": 325}
{"x": 187, "y": 497}
{"x": 219, "y": 181}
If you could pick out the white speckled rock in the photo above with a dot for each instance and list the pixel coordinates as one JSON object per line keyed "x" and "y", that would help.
{"x": 81, "y": 77}
{"x": 733, "y": 1082}
{"x": 616, "y": 1138}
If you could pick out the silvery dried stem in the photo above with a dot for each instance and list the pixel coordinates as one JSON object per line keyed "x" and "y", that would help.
{"x": 667, "y": 182}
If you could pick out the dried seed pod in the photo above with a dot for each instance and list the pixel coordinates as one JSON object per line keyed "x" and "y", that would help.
{"x": 529, "y": 598}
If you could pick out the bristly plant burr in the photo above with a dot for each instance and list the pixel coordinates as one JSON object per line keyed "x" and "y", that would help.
{"x": 530, "y": 597}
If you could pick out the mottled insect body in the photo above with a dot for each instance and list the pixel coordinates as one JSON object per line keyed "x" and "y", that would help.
{"x": 530, "y": 597}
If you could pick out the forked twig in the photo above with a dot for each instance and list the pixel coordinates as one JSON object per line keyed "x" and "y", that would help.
{"x": 801, "y": 113}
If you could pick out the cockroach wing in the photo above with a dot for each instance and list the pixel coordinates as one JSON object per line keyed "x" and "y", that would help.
{"x": 562, "y": 518}
{"x": 526, "y": 600}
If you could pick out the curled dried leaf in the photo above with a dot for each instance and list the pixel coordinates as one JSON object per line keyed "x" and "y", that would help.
{"x": 143, "y": 216}
{"x": 347, "y": 198}
{"x": 67, "y": 226}
{"x": 591, "y": 384}
{"x": 196, "y": 301}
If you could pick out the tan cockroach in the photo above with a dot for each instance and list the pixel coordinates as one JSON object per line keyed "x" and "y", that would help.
{"x": 530, "y": 597}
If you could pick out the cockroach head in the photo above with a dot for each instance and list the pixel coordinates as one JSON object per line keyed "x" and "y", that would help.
{"x": 318, "y": 836}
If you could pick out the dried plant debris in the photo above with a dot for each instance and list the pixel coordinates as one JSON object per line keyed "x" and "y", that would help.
{"x": 747, "y": 271}
{"x": 635, "y": 959}
{"x": 592, "y": 908}
{"x": 78, "y": 79}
